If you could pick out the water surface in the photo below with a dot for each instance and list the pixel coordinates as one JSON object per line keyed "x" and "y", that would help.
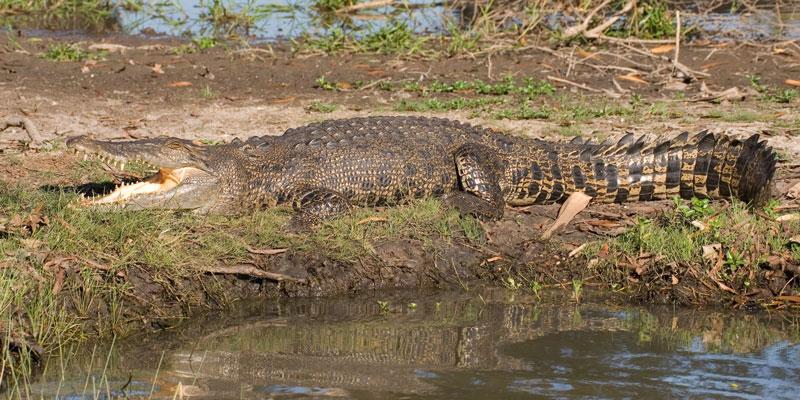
{"x": 481, "y": 344}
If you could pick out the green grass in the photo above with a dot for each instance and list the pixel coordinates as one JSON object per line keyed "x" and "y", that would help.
{"x": 438, "y": 105}
{"x": 745, "y": 240}
{"x": 69, "y": 52}
{"x": 321, "y": 107}
{"x": 650, "y": 20}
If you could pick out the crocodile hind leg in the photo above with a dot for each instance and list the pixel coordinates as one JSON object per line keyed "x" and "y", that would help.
{"x": 478, "y": 175}
{"x": 315, "y": 204}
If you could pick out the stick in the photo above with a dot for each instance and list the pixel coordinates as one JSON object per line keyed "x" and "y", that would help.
{"x": 30, "y": 128}
{"x": 250, "y": 270}
{"x": 363, "y": 6}
{"x": 577, "y": 85}
{"x": 677, "y": 39}
{"x": 599, "y": 29}
{"x": 576, "y": 30}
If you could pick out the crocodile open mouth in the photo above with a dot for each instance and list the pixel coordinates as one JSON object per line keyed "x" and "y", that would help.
{"x": 161, "y": 182}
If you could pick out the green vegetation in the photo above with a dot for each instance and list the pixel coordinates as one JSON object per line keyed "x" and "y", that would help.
{"x": 680, "y": 236}
{"x": 321, "y": 107}
{"x": 768, "y": 94}
{"x": 70, "y": 52}
{"x": 650, "y": 20}
{"x": 460, "y": 103}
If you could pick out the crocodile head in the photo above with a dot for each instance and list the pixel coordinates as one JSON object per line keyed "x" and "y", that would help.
{"x": 184, "y": 179}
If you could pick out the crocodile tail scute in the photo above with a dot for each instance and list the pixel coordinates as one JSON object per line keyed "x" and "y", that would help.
{"x": 703, "y": 165}
{"x": 755, "y": 168}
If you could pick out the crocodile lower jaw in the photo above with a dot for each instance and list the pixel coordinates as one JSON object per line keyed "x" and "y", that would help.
{"x": 164, "y": 180}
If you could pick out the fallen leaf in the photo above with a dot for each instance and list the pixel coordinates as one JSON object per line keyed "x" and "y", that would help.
{"x": 792, "y": 82}
{"x": 674, "y": 280}
{"x": 180, "y": 84}
{"x": 493, "y": 259}
{"x": 699, "y": 225}
{"x": 157, "y": 69}
{"x": 711, "y": 251}
{"x": 585, "y": 54}
{"x": 632, "y": 77}
{"x": 788, "y": 217}
{"x": 371, "y": 219}
{"x": 663, "y": 49}
{"x": 344, "y": 85}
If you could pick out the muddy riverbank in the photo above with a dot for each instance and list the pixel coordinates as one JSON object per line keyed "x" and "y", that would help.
{"x": 92, "y": 274}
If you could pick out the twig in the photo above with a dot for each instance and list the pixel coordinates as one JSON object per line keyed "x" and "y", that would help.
{"x": 677, "y": 39}
{"x": 30, "y": 128}
{"x": 576, "y": 30}
{"x": 577, "y": 85}
{"x": 363, "y": 6}
{"x": 597, "y": 31}
{"x": 249, "y": 270}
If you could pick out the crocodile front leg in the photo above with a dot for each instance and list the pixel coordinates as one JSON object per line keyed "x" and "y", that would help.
{"x": 479, "y": 170}
{"x": 314, "y": 204}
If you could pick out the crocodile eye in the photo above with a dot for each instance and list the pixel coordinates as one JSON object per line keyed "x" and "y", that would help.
{"x": 175, "y": 145}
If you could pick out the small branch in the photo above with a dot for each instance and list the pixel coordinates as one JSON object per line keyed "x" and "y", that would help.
{"x": 25, "y": 123}
{"x": 677, "y": 39}
{"x": 576, "y": 84}
{"x": 599, "y": 29}
{"x": 250, "y": 270}
{"x": 576, "y": 30}
{"x": 364, "y": 6}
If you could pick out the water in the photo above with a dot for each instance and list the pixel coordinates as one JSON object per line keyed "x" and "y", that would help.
{"x": 482, "y": 344}
{"x": 283, "y": 19}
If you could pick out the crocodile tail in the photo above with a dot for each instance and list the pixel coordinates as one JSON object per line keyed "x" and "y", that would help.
{"x": 704, "y": 165}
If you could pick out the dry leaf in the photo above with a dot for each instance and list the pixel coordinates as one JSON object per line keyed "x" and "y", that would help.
{"x": 711, "y": 251}
{"x": 663, "y": 49}
{"x": 180, "y": 84}
{"x": 157, "y": 69}
{"x": 585, "y": 54}
{"x": 699, "y": 225}
{"x": 792, "y": 82}
{"x": 632, "y": 77}
{"x": 344, "y": 86}
{"x": 788, "y": 217}
{"x": 493, "y": 259}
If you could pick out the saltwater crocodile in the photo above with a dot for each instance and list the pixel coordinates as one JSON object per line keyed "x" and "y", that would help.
{"x": 324, "y": 168}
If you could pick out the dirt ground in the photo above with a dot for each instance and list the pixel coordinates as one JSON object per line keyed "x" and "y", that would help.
{"x": 144, "y": 89}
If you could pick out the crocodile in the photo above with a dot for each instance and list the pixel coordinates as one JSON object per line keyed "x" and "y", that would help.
{"x": 323, "y": 169}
